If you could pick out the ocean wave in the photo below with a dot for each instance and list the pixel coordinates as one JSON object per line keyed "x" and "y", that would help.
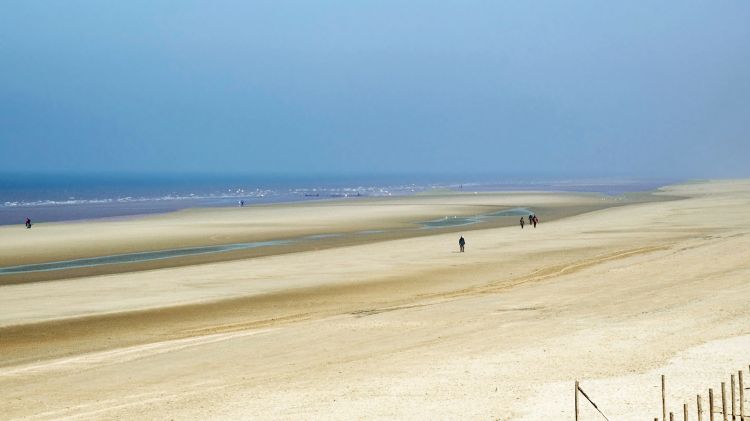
{"x": 283, "y": 194}
{"x": 131, "y": 199}
{"x": 233, "y": 194}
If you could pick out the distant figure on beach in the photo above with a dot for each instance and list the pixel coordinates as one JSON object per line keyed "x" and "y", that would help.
{"x": 522, "y": 222}
{"x": 531, "y": 218}
{"x": 535, "y": 220}
{"x": 242, "y": 203}
{"x": 28, "y": 223}
{"x": 461, "y": 243}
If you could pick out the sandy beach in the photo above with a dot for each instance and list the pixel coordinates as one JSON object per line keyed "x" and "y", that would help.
{"x": 334, "y": 223}
{"x": 611, "y": 291}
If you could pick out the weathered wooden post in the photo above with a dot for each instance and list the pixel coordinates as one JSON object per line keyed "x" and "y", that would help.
{"x": 576, "y": 400}
{"x": 700, "y": 410}
{"x": 671, "y": 416}
{"x": 711, "y": 404}
{"x": 684, "y": 412}
{"x": 724, "y": 401}
{"x": 731, "y": 382}
{"x": 742, "y": 396}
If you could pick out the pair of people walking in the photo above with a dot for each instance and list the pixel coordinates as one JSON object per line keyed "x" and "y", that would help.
{"x": 533, "y": 220}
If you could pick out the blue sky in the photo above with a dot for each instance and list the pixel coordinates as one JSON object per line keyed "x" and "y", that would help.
{"x": 525, "y": 88}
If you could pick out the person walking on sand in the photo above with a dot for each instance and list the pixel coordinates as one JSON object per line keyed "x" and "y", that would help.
{"x": 461, "y": 243}
{"x": 523, "y": 221}
{"x": 536, "y": 220}
{"x": 531, "y": 218}
{"x": 28, "y": 223}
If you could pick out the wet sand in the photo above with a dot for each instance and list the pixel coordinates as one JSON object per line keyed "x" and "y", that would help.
{"x": 392, "y": 218}
{"x": 400, "y": 328}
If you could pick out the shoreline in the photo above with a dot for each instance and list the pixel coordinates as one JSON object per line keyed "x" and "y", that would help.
{"x": 324, "y": 238}
{"x": 79, "y": 209}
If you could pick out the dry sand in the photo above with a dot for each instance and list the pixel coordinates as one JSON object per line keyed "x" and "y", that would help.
{"x": 403, "y": 328}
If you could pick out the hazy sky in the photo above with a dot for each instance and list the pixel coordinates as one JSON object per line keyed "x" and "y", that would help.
{"x": 516, "y": 87}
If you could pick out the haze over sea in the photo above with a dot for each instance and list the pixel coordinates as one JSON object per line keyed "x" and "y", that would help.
{"x": 60, "y": 197}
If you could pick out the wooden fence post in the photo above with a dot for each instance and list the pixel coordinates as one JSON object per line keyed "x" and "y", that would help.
{"x": 742, "y": 397}
{"x": 684, "y": 412}
{"x": 731, "y": 381}
{"x": 711, "y": 404}
{"x": 700, "y": 410}
{"x": 724, "y": 401}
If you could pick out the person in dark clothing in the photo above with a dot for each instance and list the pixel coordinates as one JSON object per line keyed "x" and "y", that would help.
{"x": 531, "y": 219}
{"x": 522, "y": 222}
{"x": 28, "y": 222}
{"x": 536, "y": 220}
{"x": 461, "y": 243}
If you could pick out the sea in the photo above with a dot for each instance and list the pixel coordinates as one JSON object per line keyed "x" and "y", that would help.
{"x": 72, "y": 197}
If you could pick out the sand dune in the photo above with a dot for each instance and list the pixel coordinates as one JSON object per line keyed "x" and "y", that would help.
{"x": 404, "y": 328}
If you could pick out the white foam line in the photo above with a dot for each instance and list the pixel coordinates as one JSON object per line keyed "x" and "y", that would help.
{"x": 124, "y": 354}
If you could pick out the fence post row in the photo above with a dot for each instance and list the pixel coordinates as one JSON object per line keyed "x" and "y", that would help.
{"x": 725, "y": 411}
